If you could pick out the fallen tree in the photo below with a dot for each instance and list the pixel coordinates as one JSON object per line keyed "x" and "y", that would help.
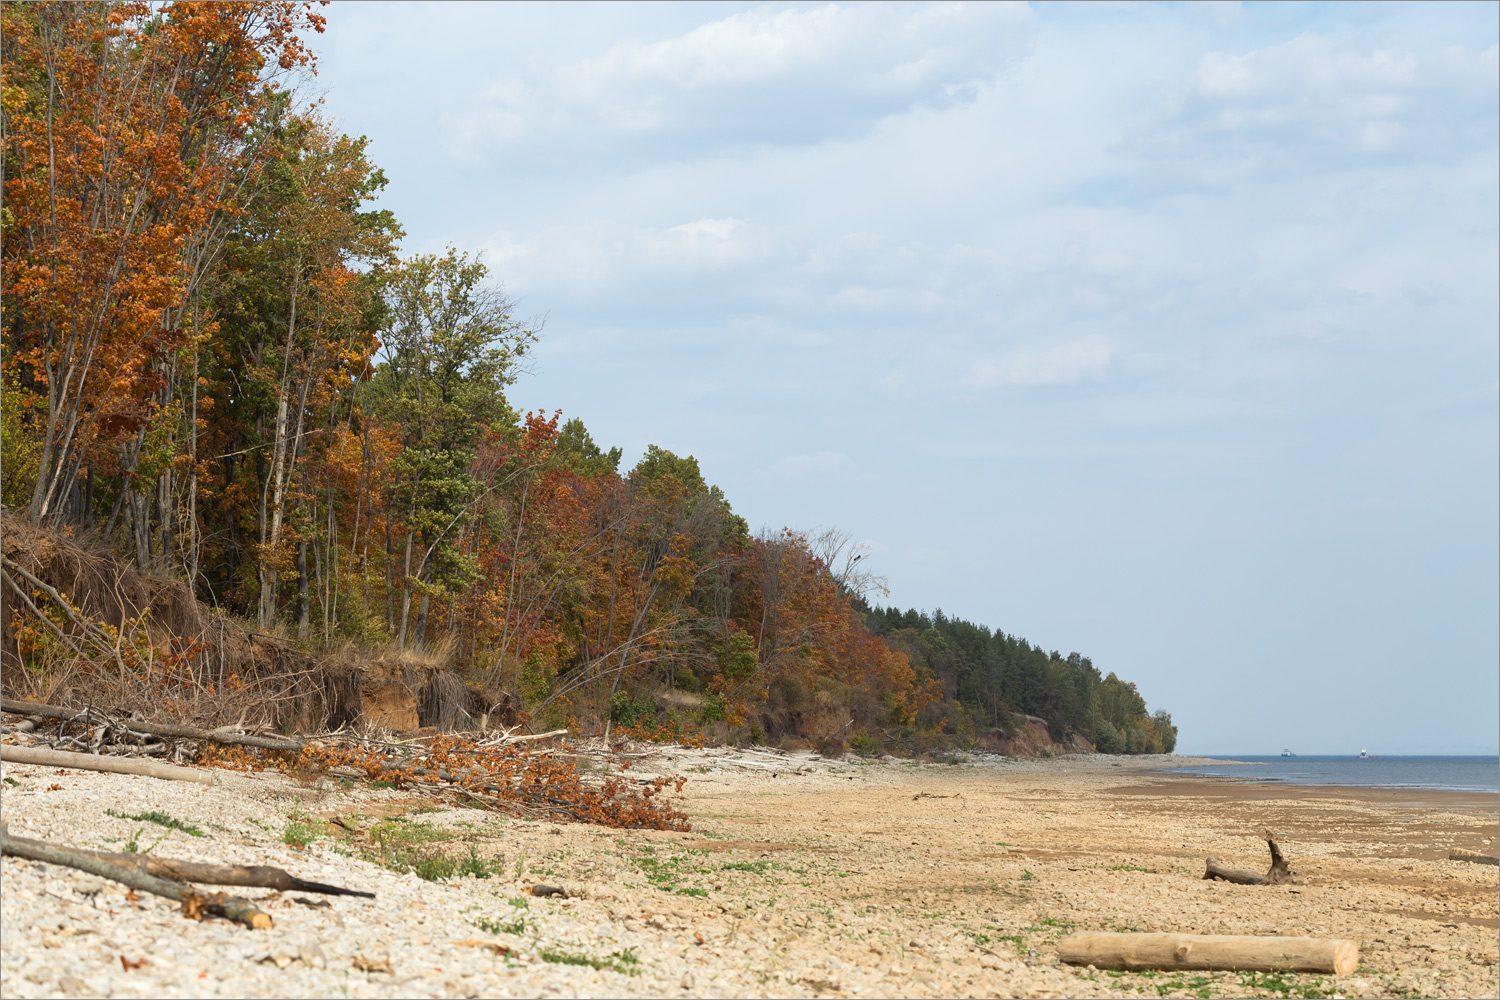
{"x": 1278, "y": 874}
{"x": 224, "y": 735}
{"x": 194, "y": 904}
{"x": 245, "y": 876}
{"x": 1459, "y": 854}
{"x": 112, "y": 765}
{"x": 1209, "y": 952}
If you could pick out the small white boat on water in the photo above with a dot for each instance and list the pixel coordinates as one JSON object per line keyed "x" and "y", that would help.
{"x": 1363, "y": 753}
{"x": 1288, "y": 753}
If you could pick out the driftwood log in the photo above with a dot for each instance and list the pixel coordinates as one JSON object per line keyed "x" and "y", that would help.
{"x": 1278, "y": 874}
{"x": 246, "y": 876}
{"x": 113, "y": 765}
{"x": 1458, "y": 854}
{"x": 1210, "y": 952}
{"x": 156, "y": 728}
{"x": 239, "y": 910}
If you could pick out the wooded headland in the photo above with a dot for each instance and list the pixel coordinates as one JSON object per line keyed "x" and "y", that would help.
{"x": 258, "y": 461}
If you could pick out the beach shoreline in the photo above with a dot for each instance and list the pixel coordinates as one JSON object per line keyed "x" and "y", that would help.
{"x": 802, "y": 876}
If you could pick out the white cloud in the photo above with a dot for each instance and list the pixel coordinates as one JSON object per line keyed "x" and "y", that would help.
{"x": 1086, "y": 359}
{"x": 596, "y": 255}
{"x": 776, "y": 76}
{"x": 1315, "y": 103}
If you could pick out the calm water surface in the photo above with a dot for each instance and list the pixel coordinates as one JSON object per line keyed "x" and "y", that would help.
{"x": 1477, "y": 774}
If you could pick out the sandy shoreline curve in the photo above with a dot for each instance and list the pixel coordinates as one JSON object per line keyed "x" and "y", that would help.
{"x": 801, "y": 877}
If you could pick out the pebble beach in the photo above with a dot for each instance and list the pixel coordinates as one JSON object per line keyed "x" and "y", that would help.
{"x": 801, "y": 877}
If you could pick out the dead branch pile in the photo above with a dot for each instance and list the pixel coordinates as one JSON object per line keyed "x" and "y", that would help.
{"x": 509, "y": 773}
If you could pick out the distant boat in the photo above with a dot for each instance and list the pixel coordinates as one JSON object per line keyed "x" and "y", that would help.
{"x": 1288, "y": 753}
{"x": 1364, "y": 754}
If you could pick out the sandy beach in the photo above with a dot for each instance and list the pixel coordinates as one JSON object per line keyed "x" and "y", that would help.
{"x": 801, "y": 877}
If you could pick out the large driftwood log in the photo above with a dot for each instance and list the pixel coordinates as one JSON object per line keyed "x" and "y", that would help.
{"x": 1209, "y": 952}
{"x": 1278, "y": 874}
{"x": 1459, "y": 854}
{"x": 246, "y": 876}
{"x": 238, "y": 910}
{"x": 156, "y": 728}
{"x": 113, "y": 765}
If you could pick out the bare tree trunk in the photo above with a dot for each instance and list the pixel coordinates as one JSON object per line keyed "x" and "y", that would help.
{"x": 302, "y": 602}
{"x": 192, "y": 580}
{"x": 165, "y": 513}
{"x": 405, "y": 593}
{"x": 140, "y": 531}
{"x": 390, "y": 583}
{"x": 277, "y": 486}
{"x": 422, "y": 610}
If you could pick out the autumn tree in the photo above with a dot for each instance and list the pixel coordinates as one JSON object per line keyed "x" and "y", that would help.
{"x": 451, "y": 345}
{"x": 123, "y": 125}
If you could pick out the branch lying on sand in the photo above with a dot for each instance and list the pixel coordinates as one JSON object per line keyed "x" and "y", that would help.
{"x": 1209, "y": 952}
{"x": 113, "y": 765}
{"x": 248, "y": 876}
{"x": 193, "y": 904}
{"x": 158, "y": 728}
{"x": 1278, "y": 874}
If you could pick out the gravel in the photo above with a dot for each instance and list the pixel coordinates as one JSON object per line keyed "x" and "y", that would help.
{"x": 806, "y": 878}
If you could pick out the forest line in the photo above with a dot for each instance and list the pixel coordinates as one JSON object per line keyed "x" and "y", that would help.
{"x": 219, "y": 364}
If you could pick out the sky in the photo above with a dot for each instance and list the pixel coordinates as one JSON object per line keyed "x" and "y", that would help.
{"x": 1164, "y": 334}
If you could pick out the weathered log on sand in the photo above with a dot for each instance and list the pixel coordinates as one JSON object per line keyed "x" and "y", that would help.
{"x": 1459, "y": 854}
{"x": 238, "y": 910}
{"x": 1278, "y": 874}
{"x": 156, "y": 728}
{"x": 247, "y": 876}
{"x": 1209, "y": 952}
{"x": 113, "y": 765}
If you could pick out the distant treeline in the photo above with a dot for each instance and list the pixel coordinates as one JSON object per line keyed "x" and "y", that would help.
{"x": 990, "y": 677}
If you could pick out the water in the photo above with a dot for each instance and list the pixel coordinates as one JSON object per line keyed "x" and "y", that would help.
{"x": 1475, "y": 774}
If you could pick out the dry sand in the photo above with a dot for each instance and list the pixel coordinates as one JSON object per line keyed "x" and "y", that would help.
{"x": 801, "y": 877}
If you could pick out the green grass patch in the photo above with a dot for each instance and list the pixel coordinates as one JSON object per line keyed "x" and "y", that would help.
{"x": 301, "y": 829}
{"x": 516, "y": 926}
{"x": 477, "y": 867}
{"x": 402, "y": 845}
{"x": 1278, "y": 984}
{"x": 160, "y": 819}
{"x": 625, "y": 961}
{"x": 669, "y": 874}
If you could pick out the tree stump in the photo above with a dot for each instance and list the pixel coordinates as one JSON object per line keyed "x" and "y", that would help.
{"x": 1280, "y": 873}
